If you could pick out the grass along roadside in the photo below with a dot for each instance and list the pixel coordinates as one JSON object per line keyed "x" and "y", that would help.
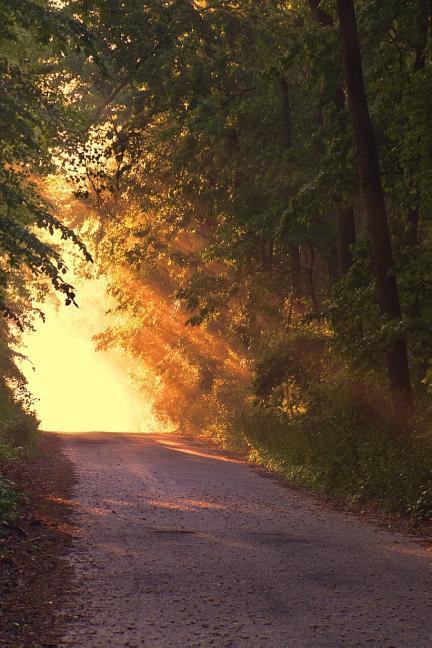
{"x": 334, "y": 448}
{"x": 12, "y": 499}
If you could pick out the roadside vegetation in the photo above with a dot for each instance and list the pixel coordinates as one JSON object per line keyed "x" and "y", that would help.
{"x": 255, "y": 181}
{"x": 32, "y": 116}
{"x": 18, "y": 428}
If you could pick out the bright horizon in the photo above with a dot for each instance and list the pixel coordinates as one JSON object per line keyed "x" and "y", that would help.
{"x": 81, "y": 389}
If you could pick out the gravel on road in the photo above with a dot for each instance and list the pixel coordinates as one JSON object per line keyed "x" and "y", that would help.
{"x": 180, "y": 546}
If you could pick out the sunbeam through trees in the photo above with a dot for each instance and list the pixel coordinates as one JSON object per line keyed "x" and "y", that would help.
{"x": 214, "y": 219}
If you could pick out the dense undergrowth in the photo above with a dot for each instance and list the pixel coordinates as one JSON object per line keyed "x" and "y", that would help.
{"x": 18, "y": 441}
{"x": 18, "y": 430}
{"x": 320, "y": 427}
{"x": 10, "y": 503}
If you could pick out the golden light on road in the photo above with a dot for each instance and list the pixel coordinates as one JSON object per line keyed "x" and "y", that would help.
{"x": 80, "y": 389}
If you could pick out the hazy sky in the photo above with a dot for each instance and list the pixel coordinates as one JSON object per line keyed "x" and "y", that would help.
{"x": 81, "y": 389}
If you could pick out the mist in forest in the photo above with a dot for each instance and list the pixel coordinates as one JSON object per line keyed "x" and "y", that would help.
{"x": 254, "y": 185}
{"x": 78, "y": 387}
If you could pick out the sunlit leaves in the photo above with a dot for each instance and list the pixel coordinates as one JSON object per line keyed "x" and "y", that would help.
{"x": 224, "y": 148}
{"x": 32, "y": 120}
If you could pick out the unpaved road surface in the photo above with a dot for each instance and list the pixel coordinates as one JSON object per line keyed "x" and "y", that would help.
{"x": 178, "y": 546}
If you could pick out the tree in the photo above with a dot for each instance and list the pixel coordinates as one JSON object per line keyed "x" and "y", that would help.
{"x": 370, "y": 180}
{"x": 345, "y": 213}
{"x": 230, "y": 126}
{"x": 33, "y": 120}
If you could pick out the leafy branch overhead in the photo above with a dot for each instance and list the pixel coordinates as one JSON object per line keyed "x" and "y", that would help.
{"x": 33, "y": 121}
{"x": 255, "y": 179}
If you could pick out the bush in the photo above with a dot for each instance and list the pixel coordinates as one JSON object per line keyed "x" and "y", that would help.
{"x": 18, "y": 431}
{"x": 10, "y": 503}
{"x": 18, "y": 435}
{"x": 319, "y": 426}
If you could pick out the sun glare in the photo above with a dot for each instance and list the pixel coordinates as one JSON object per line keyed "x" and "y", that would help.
{"x": 80, "y": 389}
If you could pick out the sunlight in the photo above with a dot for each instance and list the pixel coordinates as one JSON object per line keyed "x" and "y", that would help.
{"x": 185, "y": 449}
{"x": 80, "y": 389}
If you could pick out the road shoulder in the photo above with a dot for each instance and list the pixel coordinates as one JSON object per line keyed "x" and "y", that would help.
{"x": 35, "y": 576}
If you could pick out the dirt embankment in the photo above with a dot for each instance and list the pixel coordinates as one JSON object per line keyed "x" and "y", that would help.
{"x": 34, "y": 575}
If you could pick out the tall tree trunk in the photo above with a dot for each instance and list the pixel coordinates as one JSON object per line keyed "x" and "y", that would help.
{"x": 424, "y": 23}
{"x": 296, "y": 271}
{"x": 370, "y": 180}
{"x": 294, "y": 250}
{"x": 311, "y": 279}
{"x": 286, "y": 111}
{"x": 346, "y": 238}
{"x": 346, "y": 232}
{"x": 332, "y": 265}
{"x": 267, "y": 253}
{"x": 414, "y": 309}
{"x": 320, "y": 15}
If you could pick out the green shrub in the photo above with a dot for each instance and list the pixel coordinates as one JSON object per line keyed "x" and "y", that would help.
{"x": 340, "y": 452}
{"x": 321, "y": 426}
{"x": 18, "y": 431}
{"x": 10, "y": 503}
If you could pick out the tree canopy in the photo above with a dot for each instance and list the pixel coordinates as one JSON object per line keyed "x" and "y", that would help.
{"x": 257, "y": 174}
{"x": 232, "y": 122}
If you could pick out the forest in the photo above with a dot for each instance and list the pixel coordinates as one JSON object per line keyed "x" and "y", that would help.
{"x": 254, "y": 180}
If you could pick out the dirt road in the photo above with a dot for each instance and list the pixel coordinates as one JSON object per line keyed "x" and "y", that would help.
{"x": 179, "y": 546}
